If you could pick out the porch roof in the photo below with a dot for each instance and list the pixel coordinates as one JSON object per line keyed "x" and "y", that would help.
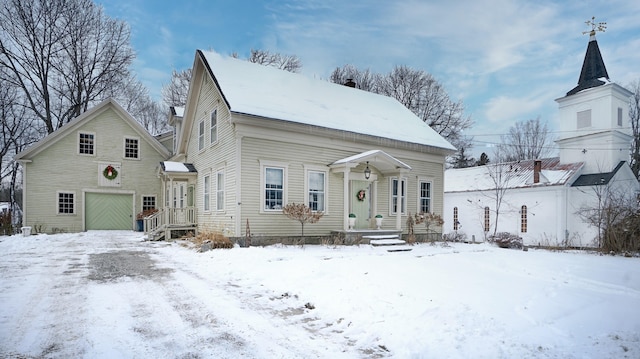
{"x": 170, "y": 166}
{"x": 381, "y": 160}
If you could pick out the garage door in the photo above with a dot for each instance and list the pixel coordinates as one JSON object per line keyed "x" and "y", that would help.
{"x": 108, "y": 211}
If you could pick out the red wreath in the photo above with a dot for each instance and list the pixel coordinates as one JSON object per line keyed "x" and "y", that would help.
{"x": 361, "y": 195}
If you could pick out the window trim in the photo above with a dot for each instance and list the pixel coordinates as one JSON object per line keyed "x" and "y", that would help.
{"x": 213, "y": 127}
{"x": 325, "y": 172}
{"x": 93, "y": 148}
{"x": 403, "y": 204}
{"x": 285, "y": 186}
{"x": 201, "y": 136}
{"x": 124, "y": 148}
{"x": 206, "y": 193}
{"x": 219, "y": 191}
{"x": 419, "y": 194}
{"x": 73, "y": 203}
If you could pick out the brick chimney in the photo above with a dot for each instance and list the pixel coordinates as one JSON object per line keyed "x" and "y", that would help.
{"x": 350, "y": 83}
{"x": 537, "y": 167}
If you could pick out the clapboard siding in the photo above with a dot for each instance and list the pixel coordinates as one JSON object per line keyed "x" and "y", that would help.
{"x": 60, "y": 168}
{"x": 214, "y": 157}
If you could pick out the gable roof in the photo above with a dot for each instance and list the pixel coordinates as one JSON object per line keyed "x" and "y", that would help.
{"x": 518, "y": 174}
{"x": 595, "y": 179}
{"x": 86, "y": 116}
{"x": 383, "y": 161}
{"x": 593, "y": 70}
{"x": 264, "y": 91}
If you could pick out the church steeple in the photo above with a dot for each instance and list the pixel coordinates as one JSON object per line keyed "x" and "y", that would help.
{"x": 593, "y": 69}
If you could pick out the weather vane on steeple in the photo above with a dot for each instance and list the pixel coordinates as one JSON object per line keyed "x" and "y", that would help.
{"x": 595, "y": 26}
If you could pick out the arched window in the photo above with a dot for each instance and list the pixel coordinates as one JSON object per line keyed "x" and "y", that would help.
{"x": 523, "y": 219}
{"x": 487, "y": 219}
{"x": 455, "y": 218}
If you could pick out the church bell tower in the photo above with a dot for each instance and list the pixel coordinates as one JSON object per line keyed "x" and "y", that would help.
{"x": 594, "y": 115}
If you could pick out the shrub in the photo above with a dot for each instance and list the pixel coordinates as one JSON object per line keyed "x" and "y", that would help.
{"x": 455, "y": 237}
{"x": 506, "y": 240}
{"x": 211, "y": 240}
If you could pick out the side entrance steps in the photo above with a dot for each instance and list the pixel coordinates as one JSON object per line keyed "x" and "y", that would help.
{"x": 392, "y": 243}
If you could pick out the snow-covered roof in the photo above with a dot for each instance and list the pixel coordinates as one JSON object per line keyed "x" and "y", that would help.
{"x": 272, "y": 93}
{"x": 514, "y": 175}
{"x": 170, "y": 166}
{"x": 383, "y": 161}
{"x": 178, "y": 111}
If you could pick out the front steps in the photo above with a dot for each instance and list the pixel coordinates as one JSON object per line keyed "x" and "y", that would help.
{"x": 392, "y": 243}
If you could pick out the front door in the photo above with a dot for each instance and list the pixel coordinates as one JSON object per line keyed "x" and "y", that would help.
{"x": 361, "y": 203}
{"x": 179, "y": 201}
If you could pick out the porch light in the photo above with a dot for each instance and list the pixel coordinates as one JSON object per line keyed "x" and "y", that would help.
{"x": 367, "y": 171}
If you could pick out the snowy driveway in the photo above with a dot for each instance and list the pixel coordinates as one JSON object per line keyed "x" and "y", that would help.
{"x": 111, "y": 295}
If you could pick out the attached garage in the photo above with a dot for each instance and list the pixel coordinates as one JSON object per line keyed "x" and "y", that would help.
{"x": 108, "y": 211}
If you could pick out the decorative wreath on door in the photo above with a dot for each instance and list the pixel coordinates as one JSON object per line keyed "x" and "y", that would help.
{"x": 361, "y": 195}
{"x": 110, "y": 173}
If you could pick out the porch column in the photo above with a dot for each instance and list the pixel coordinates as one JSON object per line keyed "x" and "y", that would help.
{"x": 345, "y": 201}
{"x": 398, "y": 218}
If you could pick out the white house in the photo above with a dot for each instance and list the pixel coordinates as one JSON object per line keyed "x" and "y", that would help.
{"x": 540, "y": 199}
{"x": 253, "y": 138}
{"x": 250, "y": 140}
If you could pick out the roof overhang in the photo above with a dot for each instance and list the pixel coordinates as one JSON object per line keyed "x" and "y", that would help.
{"x": 382, "y": 161}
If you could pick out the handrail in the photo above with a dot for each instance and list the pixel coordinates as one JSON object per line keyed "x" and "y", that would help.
{"x": 170, "y": 216}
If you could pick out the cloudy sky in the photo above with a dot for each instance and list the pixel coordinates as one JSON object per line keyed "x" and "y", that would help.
{"x": 507, "y": 60}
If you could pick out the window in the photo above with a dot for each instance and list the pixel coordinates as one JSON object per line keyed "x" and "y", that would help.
{"x": 425, "y": 197}
{"x": 86, "y": 143}
{"x": 620, "y": 116}
{"x": 220, "y": 191}
{"x": 584, "y": 119}
{"x": 131, "y": 148}
{"x": 487, "y": 220}
{"x": 201, "y": 135}
{"x": 316, "y": 185}
{"x": 523, "y": 219}
{"x": 455, "y": 219}
{"x": 213, "y": 135}
{"x": 148, "y": 202}
{"x": 66, "y": 203}
{"x": 273, "y": 188}
{"x": 206, "y": 192}
{"x": 398, "y": 195}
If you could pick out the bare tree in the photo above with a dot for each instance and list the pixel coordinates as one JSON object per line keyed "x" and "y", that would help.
{"x": 525, "y": 140}
{"x": 363, "y": 80}
{"x": 134, "y": 97}
{"x": 420, "y": 92}
{"x": 303, "y": 214}
{"x": 289, "y": 63}
{"x": 62, "y": 54}
{"x": 634, "y": 116}
{"x": 175, "y": 93}
{"x": 615, "y": 216}
{"x": 501, "y": 175}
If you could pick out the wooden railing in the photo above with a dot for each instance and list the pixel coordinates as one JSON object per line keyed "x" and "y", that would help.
{"x": 169, "y": 217}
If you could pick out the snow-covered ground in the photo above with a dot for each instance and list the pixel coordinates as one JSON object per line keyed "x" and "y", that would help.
{"x": 111, "y": 295}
